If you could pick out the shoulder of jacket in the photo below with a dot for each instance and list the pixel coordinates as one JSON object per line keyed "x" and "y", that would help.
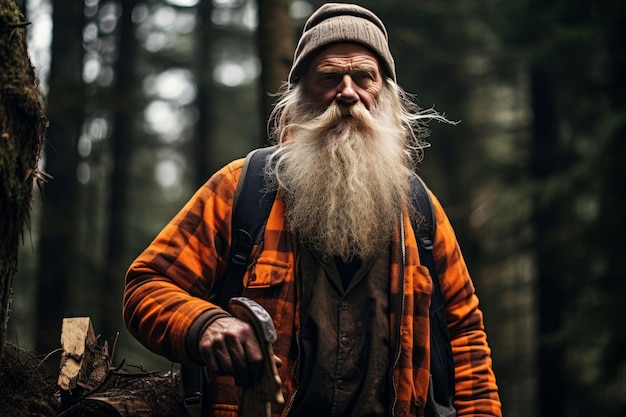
{"x": 229, "y": 173}
{"x": 235, "y": 167}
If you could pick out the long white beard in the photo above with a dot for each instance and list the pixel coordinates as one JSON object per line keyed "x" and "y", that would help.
{"x": 345, "y": 178}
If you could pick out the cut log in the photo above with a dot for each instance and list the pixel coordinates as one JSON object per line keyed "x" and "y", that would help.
{"x": 84, "y": 362}
{"x": 89, "y": 387}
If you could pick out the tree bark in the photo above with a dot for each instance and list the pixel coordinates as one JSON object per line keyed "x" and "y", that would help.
{"x": 22, "y": 127}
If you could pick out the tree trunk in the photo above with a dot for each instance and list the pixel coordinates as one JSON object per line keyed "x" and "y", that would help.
{"x": 611, "y": 223}
{"x": 545, "y": 223}
{"x": 22, "y": 127}
{"x": 204, "y": 101}
{"x": 125, "y": 109}
{"x": 276, "y": 44}
{"x": 59, "y": 217}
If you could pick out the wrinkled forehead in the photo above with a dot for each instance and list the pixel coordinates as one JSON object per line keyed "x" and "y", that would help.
{"x": 345, "y": 54}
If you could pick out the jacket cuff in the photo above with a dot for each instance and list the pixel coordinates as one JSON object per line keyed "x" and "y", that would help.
{"x": 204, "y": 320}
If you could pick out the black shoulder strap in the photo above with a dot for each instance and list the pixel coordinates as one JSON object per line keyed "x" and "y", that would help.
{"x": 441, "y": 360}
{"x": 251, "y": 208}
{"x": 425, "y": 234}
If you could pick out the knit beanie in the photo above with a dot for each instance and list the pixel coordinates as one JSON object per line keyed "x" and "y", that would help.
{"x": 339, "y": 22}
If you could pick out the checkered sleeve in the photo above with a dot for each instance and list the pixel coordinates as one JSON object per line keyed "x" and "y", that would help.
{"x": 168, "y": 284}
{"x": 476, "y": 389}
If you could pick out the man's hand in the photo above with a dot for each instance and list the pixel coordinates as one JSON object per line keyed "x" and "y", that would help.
{"x": 229, "y": 347}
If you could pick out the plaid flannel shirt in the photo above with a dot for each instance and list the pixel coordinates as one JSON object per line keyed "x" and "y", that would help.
{"x": 168, "y": 284}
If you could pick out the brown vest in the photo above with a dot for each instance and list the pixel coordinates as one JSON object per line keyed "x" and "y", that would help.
{"x": 344, "y": 364}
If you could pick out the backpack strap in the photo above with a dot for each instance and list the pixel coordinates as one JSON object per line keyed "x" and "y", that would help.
{"x": 251, "y": 208}
{"x": 441, "y": 360}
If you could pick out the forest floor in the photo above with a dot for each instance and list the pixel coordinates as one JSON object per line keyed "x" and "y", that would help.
{"x": 29, "y": 388}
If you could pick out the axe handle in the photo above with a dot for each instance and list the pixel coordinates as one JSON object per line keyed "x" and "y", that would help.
{"x": 256, "y": 400}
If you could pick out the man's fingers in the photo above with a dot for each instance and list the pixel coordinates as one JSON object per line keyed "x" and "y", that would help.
{"x": 254, "y": 358}
{"x": 241, "y": 370}
{"x": 218, "y": 360}
{"x": 247, "y": 359}
{"x": 229, "y": 347}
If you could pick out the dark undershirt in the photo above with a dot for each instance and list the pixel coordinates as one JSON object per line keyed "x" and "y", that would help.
{"x": 347, "y": 270}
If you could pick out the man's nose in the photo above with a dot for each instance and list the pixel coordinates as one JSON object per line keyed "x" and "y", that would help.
{"x": 346, "y": 92}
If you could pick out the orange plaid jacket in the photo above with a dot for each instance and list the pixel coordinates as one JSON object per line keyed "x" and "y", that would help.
{"x": 168, "y": 284}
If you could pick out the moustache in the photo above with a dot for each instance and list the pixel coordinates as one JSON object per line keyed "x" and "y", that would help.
{"x": 337, "y": 115}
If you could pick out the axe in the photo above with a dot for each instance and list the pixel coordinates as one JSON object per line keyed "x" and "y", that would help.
{"x": 256, "y": 400}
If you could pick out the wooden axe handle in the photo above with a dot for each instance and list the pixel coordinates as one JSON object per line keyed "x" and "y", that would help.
{"x": 256, "y": 400}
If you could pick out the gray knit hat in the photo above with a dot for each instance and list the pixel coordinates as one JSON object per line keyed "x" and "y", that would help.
{"x": 338, "y": 22}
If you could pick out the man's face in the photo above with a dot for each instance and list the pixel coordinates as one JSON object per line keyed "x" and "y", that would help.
{"x": 345, "y": 72}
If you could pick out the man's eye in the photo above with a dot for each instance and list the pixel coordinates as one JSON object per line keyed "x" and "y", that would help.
{"x": 363, "y": 76}
{"x": 330, "y": 78}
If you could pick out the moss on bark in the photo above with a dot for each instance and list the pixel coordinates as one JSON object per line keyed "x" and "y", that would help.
{"x": 22, "y": 127}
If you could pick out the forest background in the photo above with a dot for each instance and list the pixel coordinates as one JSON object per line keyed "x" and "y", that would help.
{"x": 145, "y": 99}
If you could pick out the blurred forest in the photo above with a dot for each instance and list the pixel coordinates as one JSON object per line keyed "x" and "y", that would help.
{"x": 147, "y": 98}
